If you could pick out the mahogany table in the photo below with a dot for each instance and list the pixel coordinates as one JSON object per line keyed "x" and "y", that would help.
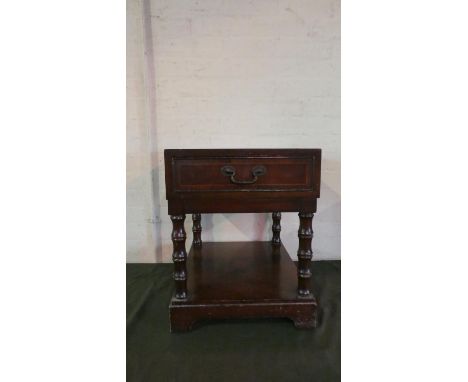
{"x": 241, "y": 279}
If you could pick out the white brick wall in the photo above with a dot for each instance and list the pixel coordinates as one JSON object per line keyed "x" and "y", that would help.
{"x": 231, "y": 74}
{"x": 140, "y": 228}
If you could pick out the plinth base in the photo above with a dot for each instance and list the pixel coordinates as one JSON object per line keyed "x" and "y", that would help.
{"x": 241, "y": 280}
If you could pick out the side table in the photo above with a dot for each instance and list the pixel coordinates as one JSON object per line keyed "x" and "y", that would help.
{"x": 241, "y": 279}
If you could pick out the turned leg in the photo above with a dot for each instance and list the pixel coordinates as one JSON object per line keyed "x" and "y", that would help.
{"x": 276, "y": 228}
{"x": 197, "y": 230}
{"x": 179, "y": 256}
{"x": 304, "y": 254}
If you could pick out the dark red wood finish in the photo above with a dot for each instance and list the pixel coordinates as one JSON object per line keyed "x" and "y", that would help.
{"x": 179, "y": 256}
{"x": 197, "y": 230}
{"x": 276, "y": 228}
{"x": 194, "y": 180}
{"x": 241, "y": 280}
{"x": 304, "y": 253}
{"x": 234, "y": 280}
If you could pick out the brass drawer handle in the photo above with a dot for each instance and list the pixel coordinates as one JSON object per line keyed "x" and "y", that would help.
{"x": 231, "y": 171}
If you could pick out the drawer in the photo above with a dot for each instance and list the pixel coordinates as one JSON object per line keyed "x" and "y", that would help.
{"x": 261, "y": 170}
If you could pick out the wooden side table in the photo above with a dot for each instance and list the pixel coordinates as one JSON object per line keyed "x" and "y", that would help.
{"x": 241, "y": 279}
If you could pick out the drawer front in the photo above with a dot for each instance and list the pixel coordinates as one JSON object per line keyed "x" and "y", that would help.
{"x": 208, "y": 171}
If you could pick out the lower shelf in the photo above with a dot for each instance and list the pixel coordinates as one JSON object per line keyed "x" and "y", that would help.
{"x": 241, "y": 280}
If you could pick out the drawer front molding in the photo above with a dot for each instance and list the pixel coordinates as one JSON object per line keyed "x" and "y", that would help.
{"x": 262, "y": 171}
